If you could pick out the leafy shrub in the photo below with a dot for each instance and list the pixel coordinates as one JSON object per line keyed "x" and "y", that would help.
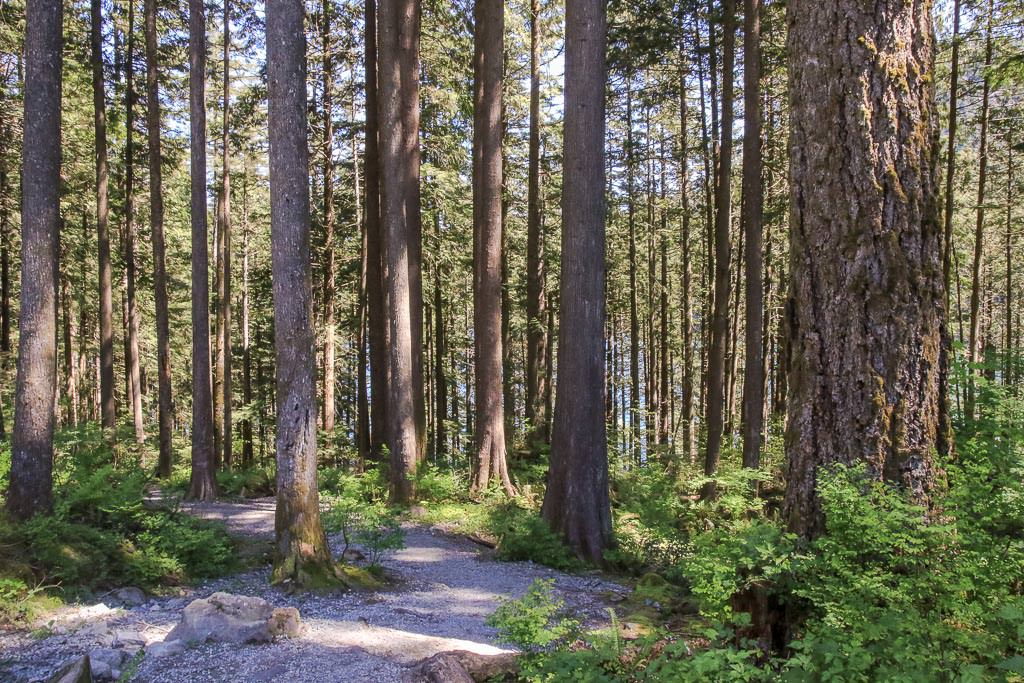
{"x": 523, "y": 535}
{"x": 373, "y": 526}
{"x": 534, "y": 621}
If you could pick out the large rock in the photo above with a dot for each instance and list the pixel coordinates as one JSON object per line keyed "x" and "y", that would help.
{"x": 77, "y": 671}
{"x": 461, "y": 666}
{"x": 129, "y": 596}
{"x": 227, "y": 618}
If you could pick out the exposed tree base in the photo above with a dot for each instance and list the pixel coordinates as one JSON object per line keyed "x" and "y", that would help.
{"x": 201, "y": 488}
{"x": 301, "y": 571}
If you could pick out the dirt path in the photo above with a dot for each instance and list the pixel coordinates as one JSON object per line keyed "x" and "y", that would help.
{"x": 447, "y": 587}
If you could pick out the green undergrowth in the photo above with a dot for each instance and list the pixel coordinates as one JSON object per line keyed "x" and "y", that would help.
{"x": 102, "y": 533}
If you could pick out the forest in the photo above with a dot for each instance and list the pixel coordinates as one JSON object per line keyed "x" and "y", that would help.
{"x": 511, "y": 340}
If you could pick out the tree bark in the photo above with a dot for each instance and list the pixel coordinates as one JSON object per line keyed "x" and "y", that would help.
{"x": 576, "y": 502}
{"x": 866, "y": 297}
{"x": 536, "y": 304}
{"x": 247, "y": 448}
{"x": 202, "y": 485}
{"x": 398, "y": 18}
{"x": 224, "y": 250}
{"x": 302, "y": 557}
{"x": 375, "y": 275}
{"x": 973, "y": 355}
{"x": 688, "y": 433}
{"x": 634, "y": 318}
{"x": 5, "y": 261}
{"x": 108, "y": 401}
{"x": 132, "y": 342}
{"x": 723, "y": 213}
{"x": 156, "y": 221}
{"x": 328, "y": 198}
{"x": 488, "y": 66}
{"x": 30, "y": 490}
{"x": 753, "y": 206}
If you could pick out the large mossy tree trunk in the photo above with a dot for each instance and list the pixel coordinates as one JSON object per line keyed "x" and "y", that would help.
{"x": 576, "y": 502}
{"x": 302, "y": 558}
{"x": 866, "y": 298}
{"x": 202, "y": 485}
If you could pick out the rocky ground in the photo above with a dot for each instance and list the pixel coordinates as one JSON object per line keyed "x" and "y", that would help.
{"x": 444, "y": 588}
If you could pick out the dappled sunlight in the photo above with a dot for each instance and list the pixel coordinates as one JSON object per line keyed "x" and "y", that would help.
{"x": 398, "y": 645}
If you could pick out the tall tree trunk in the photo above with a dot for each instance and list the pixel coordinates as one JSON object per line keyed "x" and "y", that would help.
{"x": 398, "y": 17}
{"x": 375, "y": 275}
{"x": 440, "y": 351}
{"x": 5, "y": 259}
{"x": 362, "y": 397}
{"x": 1009, "y": 302}
{"x": 536, "y": 337}
{"x": 302, "y": 557}
{"x": 202, "y": 485}
{"x": 753, "y": 203}
{"x": 409, "y": 48}
{"x": 108, "y": 402}
{"x": 328, "y": 171}
{"x": 132, "y": 342}
{"x": 156, "y": 221}
{"x": 950, "y": 208}
{"x": 488, "y": 65}
{"x": 247, "y": 449}
{"x": 224, "y": 250}
{"x": 973, "y": 356}
{"x": 865, "y": 379}
{"x": 30, "y": 489}
{"x": 723, "y": 213}
{"x": 576, "y": 502}
{"x": 634, "y": 317}
{"x": 688, "y": 435}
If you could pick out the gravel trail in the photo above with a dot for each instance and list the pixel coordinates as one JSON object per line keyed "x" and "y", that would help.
{"x": 446, "y": 587}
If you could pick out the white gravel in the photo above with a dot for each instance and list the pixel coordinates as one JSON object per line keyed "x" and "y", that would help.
{"x": 446, "y": 587}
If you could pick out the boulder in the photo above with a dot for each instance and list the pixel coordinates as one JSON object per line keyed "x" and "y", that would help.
{"x": 285, "y": 622}
{"x": 461, "y": 666}
{"x": 129, "y": 596}
{"x": 227, "y": 618}
{"x": 77, "y": 671}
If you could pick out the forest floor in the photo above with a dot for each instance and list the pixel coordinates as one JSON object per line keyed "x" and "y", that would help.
{"x": 442, "y": 589}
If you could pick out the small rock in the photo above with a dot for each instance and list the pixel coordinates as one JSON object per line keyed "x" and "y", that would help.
{"x": 130, "y": 596}
{"x": 630, "y": 631}
{"x": 77, "y": 671}
{"x": 225, "y": 618}
{"x": 165, "y": 648}
{"x": 101, "y": 671}
{"x": 352, "y": 555}
{"x": 129, "y": 639}
{"x": 285, "y": 621}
